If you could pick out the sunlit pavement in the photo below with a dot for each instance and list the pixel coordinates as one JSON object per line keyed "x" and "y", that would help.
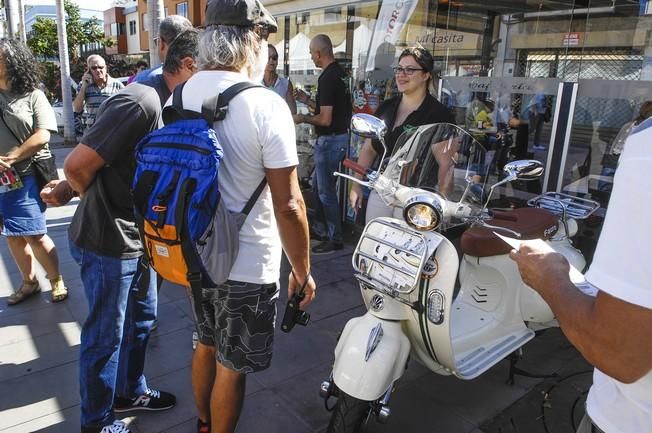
{"x": 39, "y": 350}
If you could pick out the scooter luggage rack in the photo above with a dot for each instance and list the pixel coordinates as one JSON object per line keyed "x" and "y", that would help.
{"x": 371, "y": 259}
{"x": 565, "y": 205}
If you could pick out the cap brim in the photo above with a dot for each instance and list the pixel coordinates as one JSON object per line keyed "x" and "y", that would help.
{"x": 266, "y": 18}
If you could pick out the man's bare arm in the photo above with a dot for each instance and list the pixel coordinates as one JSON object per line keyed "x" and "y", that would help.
{"x": 613, "y": 335}
{"x": 81, "y": 167}
{"x": 324, "y": 118}
{"x": 292, "y": 220}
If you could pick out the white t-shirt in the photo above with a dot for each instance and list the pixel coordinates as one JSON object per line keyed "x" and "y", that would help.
{"x": 620, "y": 268}
{"x": 257, "y": 133}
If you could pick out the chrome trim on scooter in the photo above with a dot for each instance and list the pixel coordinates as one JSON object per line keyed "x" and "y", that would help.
{"x": 375, "y": 336}
{"x": 393, "y": 294}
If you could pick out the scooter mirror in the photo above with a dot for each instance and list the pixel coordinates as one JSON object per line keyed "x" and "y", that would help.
{"x": 524, "y": 169}
{"x": 368, "y": 126}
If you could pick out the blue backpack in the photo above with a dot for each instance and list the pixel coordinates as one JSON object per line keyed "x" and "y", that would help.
{"x": 189, "y": 236}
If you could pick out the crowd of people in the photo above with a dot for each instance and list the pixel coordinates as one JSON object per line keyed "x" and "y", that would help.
{"x": 105, "y": 239}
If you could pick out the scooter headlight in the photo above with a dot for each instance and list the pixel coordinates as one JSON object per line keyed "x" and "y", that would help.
{"x": 423, "y": 213}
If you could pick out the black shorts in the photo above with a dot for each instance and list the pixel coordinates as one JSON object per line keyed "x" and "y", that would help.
{"x": 238, "y": 319}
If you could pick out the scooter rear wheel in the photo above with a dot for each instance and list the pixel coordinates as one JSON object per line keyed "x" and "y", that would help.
{"x": 348, "y": 414}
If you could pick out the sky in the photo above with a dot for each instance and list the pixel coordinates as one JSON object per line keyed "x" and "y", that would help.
{"x": 84, "y": 4}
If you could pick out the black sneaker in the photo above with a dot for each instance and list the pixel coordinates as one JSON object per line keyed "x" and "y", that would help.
{"x": 327, "y": 247}
{"x": 116, "y": 427}
{"x": 152, "y": 400}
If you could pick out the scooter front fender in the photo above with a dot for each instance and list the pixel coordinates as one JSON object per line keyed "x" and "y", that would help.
{"x": 368, "y": 361}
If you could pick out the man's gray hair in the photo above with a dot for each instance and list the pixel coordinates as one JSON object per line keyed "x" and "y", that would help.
{"x": 185, "y": 44}
{"x": 229, "y": 48}
{"x": 94, "y": 57}
{"x": 172, "y": 26}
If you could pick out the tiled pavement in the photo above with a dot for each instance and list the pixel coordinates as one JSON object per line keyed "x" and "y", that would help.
{"x": 39, "y": 349}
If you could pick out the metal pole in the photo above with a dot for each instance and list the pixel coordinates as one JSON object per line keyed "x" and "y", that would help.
{"x": 155, "y": 12}
{"x": 21, "y": 21}
{"x": 13, "y": 18}
{"x": 64, "y": 63}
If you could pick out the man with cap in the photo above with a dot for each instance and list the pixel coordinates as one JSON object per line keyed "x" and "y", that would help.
{"x": 236, "y": 320}
{"x": 331, "y": 120}
{"x": 168, "y": 30}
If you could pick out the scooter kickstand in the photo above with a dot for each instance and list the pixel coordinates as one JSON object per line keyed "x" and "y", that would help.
{"x": 514, "y": 370}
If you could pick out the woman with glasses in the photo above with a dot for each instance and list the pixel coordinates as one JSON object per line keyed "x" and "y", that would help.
{"x": 26, "y": 122}
{"x": 281, "y": 85}
{"x": 415, "y": 106}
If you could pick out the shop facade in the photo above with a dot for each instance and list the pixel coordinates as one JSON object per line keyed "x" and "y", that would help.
{"x": 588, "y": 62}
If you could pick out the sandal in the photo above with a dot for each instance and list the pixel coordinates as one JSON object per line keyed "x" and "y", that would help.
{"x": 27, "y": 289}
{"x": 59, "y": 291}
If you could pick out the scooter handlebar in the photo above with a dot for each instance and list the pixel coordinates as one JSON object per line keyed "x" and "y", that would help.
{"x": 356, "y": 167}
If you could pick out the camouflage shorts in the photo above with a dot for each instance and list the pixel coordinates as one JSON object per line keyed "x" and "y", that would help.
{"x": 238, "y": 319}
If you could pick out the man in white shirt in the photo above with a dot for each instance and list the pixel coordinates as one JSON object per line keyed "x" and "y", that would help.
{"x": 258, "y": 139}
{"x": 611, "y": 330}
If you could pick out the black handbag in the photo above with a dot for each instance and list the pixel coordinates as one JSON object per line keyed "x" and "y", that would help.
{"x": 45, "y": 169}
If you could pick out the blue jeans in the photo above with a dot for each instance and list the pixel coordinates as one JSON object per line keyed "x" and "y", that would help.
{"x": 329, "y": 152}
{"x": 114, "y": 336}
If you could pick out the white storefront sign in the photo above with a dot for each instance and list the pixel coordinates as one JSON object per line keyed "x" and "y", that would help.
{"x": 393, "y": 16}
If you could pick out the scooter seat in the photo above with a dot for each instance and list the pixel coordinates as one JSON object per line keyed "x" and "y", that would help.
{"x": 531, "y": 223}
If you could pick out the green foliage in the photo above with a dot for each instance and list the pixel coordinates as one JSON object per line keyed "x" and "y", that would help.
{"x": 43, "y": 41}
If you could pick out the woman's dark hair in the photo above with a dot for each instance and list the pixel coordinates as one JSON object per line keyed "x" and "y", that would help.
{"x": 21, "y": 69}
{"x": 424, "y": 59}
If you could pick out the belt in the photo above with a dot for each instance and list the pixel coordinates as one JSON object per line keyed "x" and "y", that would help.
{"x": 333, "y": 134}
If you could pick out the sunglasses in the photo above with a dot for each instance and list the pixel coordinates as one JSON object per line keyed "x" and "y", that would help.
{"x": 407, "y": 71}
{"x": 262, "y": 31}
{"x": 95, "y": 68}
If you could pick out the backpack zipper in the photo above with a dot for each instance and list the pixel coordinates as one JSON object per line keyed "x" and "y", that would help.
{"x": 180, "y": 147}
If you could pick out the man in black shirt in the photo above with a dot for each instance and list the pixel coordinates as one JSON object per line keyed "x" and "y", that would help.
{"x": 332, "y": 110}
{"x": 105, "y": 243}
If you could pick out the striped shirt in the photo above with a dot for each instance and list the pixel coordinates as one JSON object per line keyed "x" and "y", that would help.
{"x": 95, "y": 96}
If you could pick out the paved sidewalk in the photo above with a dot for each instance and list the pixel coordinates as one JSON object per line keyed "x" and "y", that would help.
{"x": 39, "y": 350}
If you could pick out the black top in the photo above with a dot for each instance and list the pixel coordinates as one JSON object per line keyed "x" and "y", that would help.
{"x": 104, "y": 222}
{"x": 430, "y": 111}
{"x": 333, "y": 91}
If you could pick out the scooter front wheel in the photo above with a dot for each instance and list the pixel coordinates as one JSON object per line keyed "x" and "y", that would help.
{"x": 348, "y": 414}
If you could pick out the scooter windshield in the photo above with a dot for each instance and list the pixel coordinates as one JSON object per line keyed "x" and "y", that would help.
{"x": 445, "y": 159}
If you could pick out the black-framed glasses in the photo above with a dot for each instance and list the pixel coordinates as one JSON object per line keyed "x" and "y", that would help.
{"x": 406, "y": 71}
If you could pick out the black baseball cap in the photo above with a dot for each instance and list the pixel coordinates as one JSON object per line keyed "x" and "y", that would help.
{"x": 245, "y": 13}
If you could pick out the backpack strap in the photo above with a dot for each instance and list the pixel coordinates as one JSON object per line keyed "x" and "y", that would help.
{"x": 216, "y": 107}
{"x": 175, "y": 112}
{"x": 254, "y": 197}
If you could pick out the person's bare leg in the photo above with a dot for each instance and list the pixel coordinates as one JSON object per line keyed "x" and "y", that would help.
{"x": 46, "y": 254}
{"x": 23, "y": 256}
{"x": 203, "y": 377}
{"x": 226, "y": 399}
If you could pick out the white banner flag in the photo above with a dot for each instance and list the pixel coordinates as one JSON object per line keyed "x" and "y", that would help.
{"x": 393, "y": 16}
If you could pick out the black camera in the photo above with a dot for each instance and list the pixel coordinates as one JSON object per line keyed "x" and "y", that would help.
{"x": 293, "y": 314}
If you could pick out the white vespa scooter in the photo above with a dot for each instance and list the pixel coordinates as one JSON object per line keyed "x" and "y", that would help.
{"x": 407, "y": 270}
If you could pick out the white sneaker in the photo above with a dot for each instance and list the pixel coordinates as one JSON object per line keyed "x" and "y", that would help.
{"x": 116, "y": 427}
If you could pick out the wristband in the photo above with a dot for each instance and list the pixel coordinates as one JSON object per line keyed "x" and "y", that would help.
{"x": 305, "y": 282}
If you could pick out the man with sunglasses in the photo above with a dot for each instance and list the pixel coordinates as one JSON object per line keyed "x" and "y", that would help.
{"x": 168, "y": 30}
{"x": 96, "y": 86}
{"x": 333, "y": 112}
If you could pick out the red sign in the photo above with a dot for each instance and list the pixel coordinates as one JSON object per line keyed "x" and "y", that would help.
{"x": 571, "y": 39}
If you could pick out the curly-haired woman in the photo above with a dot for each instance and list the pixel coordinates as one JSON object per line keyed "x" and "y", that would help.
{"x": 25, "y": 125}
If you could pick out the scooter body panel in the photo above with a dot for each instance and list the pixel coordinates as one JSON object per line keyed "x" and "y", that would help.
{"x": 366, "y": 372}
